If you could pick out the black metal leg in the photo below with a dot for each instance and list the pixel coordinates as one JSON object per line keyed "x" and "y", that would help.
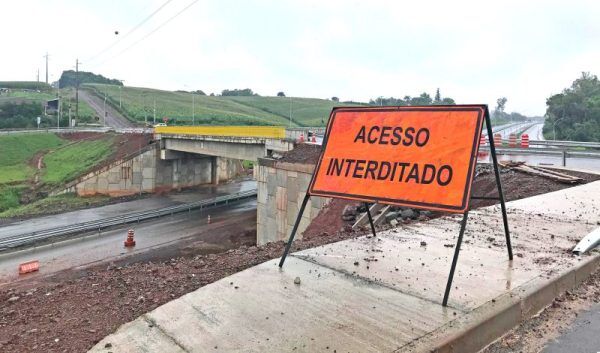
{"x": 499, "y": 184}
{"x": 370, "y": 220}
{"x": 291, "y": 239}
{"x": 463, "y": 225}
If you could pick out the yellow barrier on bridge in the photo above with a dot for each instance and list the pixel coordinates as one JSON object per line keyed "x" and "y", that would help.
{"x": 235, "y": 131}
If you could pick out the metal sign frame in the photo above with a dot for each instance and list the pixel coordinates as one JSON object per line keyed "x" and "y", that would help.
{"x": 463, "y": 223}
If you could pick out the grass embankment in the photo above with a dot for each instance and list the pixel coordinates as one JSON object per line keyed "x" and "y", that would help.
{"x": 63, "y": 161}
{"x": 138, "y": 103}
{"x": 54, "y": 204}
{"x": 66, "y": 163}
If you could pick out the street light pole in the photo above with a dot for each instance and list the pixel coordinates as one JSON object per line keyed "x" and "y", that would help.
{"x": 193, "y": 109}
{"x": 554, "y": 127}
{"x": 290, "y": 111}
{"x": 104, "y": 120}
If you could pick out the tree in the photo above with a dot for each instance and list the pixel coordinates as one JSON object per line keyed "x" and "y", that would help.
{"x": 280, "y": 94}
{"x": 438, "y": 98}
{"x": 574, "y": 114}
{"x": 423, "y": 99}
{"x": 501, "y": 104}
{"x": 238, "y": 92}
{"x": 70, "y": 78}
{"x": 335, "y": 99}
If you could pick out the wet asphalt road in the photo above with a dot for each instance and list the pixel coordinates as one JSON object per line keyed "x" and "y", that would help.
{"x": 153, "y": 235}
{"x": 583, "y": 337}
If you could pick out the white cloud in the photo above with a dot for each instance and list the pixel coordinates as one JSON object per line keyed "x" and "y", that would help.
{"x": 475, "y": 51}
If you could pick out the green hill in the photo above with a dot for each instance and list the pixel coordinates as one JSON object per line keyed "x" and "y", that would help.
{"x": 138, "y": 104}
{"x": 19, "y": 95}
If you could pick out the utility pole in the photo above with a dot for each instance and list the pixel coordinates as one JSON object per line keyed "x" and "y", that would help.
{"x": 38, "y": 75}
{"x": 46, "y": 56}
{"x": 290, "y": 111}
{"x": 154, "y": 120}
{"x": 59, "y": 103}
{"x": 77, "y": 88}
{"x": 193, "y": 109}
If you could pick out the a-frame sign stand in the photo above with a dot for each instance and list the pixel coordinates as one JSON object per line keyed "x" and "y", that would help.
{"x": 463, "y": 222}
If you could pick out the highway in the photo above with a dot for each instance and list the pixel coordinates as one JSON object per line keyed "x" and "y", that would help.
{"x": 535, "y": 132}
{"x": 113, "y": 117}
{"x": 156, "y": 239}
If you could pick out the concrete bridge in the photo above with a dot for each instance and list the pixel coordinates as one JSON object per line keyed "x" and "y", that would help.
{"x": 235, "y": 142}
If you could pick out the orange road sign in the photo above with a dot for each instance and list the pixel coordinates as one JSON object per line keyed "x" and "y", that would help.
{"x": 421, "y": 157}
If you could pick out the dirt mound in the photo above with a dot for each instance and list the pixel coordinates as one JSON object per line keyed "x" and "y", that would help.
{"x": 128, "y": 144}
{"x": 302, "y": 153}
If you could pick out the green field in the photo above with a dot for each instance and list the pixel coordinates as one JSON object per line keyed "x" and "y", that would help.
{"x": 17, "y": 150}
{"x": 138, "y": 104}
{"x": 63, "y": 161}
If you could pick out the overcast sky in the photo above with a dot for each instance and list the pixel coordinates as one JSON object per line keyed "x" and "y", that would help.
{"x": 473, "y": 51}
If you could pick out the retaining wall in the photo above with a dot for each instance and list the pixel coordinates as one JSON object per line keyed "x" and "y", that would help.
{"x": 281, "y": 189}
{"x": 146, "y": 172}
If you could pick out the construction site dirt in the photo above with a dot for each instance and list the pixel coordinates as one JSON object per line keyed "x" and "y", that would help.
{"x": 72, "y": 310}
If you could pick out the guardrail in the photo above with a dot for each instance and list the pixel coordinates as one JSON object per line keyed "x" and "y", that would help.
{"x": 228, "y": 131}
{"x": 556, "y": 152}
{"x": 130, "y": 130}
{"x": 55, "y": 130}
{"x": 97, "y": 225}
{"x": 575, "y": 144}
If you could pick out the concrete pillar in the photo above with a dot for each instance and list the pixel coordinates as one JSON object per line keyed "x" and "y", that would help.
{"x": 214, "y": 170}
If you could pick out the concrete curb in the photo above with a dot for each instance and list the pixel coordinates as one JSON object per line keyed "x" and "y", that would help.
{"x": 494, "y": 319}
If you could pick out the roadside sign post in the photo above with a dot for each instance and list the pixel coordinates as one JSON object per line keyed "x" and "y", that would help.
{"x": 412, "y": 156}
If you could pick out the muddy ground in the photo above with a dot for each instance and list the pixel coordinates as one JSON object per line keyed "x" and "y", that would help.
{"x": 72, "y": 310}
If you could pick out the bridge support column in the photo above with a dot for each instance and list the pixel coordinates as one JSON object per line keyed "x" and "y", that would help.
{"x": 214, "y": 170}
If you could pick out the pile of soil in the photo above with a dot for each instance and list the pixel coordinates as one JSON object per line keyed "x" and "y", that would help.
{"x": 302, "y": 153}
{"x": 126, "y": 144}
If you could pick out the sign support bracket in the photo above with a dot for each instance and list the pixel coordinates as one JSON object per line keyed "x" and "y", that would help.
{"x": 370, "y": 219}
{"x": 463, "y": 223}
{"x": 296, "y": 224}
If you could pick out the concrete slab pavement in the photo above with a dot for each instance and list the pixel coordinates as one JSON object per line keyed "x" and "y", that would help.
{"x": 384, "y": 293}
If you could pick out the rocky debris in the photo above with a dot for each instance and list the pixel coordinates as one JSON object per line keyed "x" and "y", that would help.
{"x": 409, "y": 213}
{"x": 393, "y": 222}
{"x": 297, "y": 280}
{"x": 349, "y": 213}
{"x": 391, "y": 216}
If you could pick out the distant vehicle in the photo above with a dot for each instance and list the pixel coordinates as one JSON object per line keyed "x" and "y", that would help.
{"x": 160, "y": 124}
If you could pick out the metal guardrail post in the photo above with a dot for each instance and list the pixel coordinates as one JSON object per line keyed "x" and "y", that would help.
{"x": 564, "y": 158}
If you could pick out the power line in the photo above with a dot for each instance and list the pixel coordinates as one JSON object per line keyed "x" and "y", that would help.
{"x": 150, "y": 33}
{"x": 130, "y": 32}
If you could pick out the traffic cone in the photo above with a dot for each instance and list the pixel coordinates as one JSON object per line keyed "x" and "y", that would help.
{"x": 129, "y": 242}
{"x": 314, "y": 139}
{"x": 301, "y": 140}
